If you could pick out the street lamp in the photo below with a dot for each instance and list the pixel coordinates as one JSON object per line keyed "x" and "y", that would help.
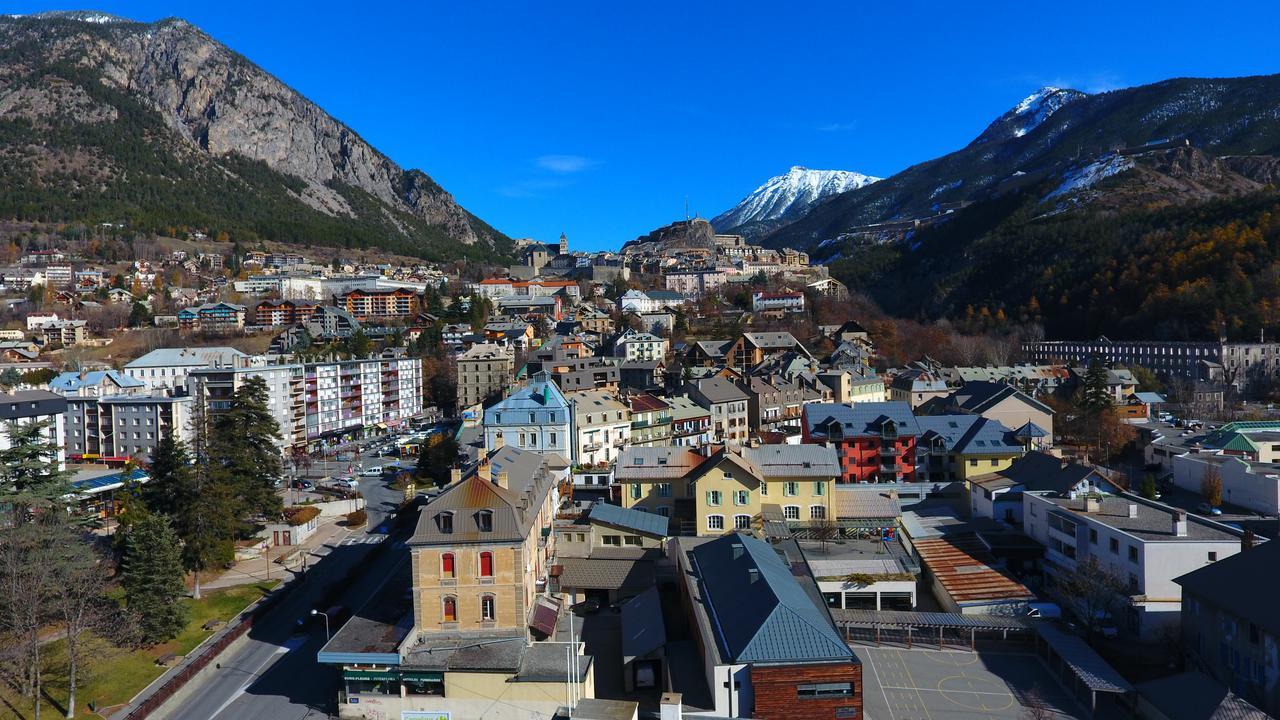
{"x": 324, "y": 615}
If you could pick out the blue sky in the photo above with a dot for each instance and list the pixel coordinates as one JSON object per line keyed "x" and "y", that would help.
{"x": 600, "y": 118}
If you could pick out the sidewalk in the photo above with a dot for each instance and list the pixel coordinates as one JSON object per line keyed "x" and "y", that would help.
{"x": 255, "y": 570}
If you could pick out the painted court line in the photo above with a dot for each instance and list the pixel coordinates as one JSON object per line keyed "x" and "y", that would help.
{"x": 948, "y": 690}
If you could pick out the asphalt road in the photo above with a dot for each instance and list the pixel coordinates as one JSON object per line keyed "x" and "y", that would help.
{"x": 274, "y": 675}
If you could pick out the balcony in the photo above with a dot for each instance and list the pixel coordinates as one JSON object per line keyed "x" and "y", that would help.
{"x": 890, "y": 451}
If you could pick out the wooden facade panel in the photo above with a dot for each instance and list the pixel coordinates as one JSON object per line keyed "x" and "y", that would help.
{"x": 776, "y": 690}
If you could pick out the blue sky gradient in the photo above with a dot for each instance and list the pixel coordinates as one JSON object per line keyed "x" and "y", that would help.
{"x": 599, "y": 119}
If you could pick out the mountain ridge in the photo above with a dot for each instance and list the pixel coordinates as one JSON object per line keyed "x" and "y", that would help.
{"x": 1223, "y": 116}
{"x": 786, "y": 196}
{"x": 221, "y": 113}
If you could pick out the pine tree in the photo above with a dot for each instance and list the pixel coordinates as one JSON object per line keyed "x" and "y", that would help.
{"x": 29, "y": 474}
{"x": 153, "y": 584}
{"x": 1096, "y": 396}
{"x": 198, "y": 503}
{"x": 244, "y": 452}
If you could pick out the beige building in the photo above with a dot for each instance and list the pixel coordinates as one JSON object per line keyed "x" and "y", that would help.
{"x": 479, "y": 549}
{"x": 602, "y": 426}
{"x": 728, "y": 490}
{"x": 484, "y": 370}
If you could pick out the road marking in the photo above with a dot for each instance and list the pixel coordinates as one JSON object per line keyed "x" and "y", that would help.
{"x": 888, "y": 705}
{"x": 913, "y": 682}
{"x": 937, "y": 690}
{"x": 253, "y": 676}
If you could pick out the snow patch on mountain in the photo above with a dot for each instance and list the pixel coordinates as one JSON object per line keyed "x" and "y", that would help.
{"x": 1091, "y": 174}
{"x": 1029, "y": 114}
{"x": 790, "y": 195}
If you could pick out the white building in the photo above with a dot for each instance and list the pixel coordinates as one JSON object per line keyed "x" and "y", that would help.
{"x": 602, "y": 427}
{"x": 1144, "y": 543}
{"x": 777, "y": 302}
{"x": 537, "y": 417}
{"x": 167, "y": 368}
{"x": 640, "y": 347}
{"x": 32, "y": 406}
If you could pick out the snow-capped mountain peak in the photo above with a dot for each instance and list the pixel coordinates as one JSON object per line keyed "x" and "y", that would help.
{"x": 789, "y": 195}
{"x": 1028, "y": 114}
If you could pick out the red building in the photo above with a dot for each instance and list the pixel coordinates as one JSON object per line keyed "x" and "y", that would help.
{"x": 277, "y": 313}
{"x": 876, "y": 442}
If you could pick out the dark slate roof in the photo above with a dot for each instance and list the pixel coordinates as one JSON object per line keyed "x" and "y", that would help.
{"x": 642, "y": 628}
{"x": 595, "y": 573}
{"x": 1042, "y": 472}
{"x": 758, "y": 609}
{"x": 1193, "y": 695}
{"x": 978, "y": 396}
{"x": 627, "y": 519}
{"x": 1245, "y": 585}
{"x": 465, "y": 499}
{"x": 862, "y": 418}
{"x": 970, "y": 434}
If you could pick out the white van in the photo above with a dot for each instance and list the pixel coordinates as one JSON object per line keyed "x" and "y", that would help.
{"x": 374, "y": 471}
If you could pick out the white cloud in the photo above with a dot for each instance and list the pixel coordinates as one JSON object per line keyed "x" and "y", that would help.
{"x": 566, "y": 164}
{"x": 838, "y": 127}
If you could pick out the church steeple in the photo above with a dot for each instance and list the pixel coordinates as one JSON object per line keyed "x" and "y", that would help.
{"x": 564, "y": 244}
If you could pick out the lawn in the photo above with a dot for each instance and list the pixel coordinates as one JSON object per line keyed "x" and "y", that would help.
{"x": 116, "y": 674}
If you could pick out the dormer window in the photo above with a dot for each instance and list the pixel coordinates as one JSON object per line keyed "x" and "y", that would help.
{"x": 445, "y": 522}
{"x": 484, "y": 520}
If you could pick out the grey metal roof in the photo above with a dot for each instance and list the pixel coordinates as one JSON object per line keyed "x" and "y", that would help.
{"x": 719, "y": 390}
{"x": 642, "y": 628}
{"x": 1153, "y": 521}
{"x": 1092, "y": 670}
{"x": 862, "y": 418}
{"x": 628, "y": 519}
{"x": 188, "y": 356}
{"x": 912, "y": 619}
{"x": 852, "y": 503}
{"x": 794, "y": 461}
{"x": 759, "y": 610}
{"x": 980, "y": 396}
{"x": 971, "y": 434}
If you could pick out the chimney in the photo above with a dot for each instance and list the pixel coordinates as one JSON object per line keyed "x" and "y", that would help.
{"x": 1092, "y": 504}
{"x": 1133, "y": 510}
{"x": 455, "y": 475}
{"x": 1180, "y": 523}
{"x": 737, "y": 549}
{"x": 753, "y": 575}
{"x": 498, "y": 440}
{"x": 669, "y": 706}
{"x": 1247, "y": 540}
{"x": 500, "y": 479}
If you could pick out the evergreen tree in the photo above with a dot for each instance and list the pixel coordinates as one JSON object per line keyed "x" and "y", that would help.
{"x": 153, "y": 578}
{"x": 139, "y": 315}
{"x": 244, "y": 452}
{"x": 1095, "y": 396}
{"x": 29, "y": 473}
{"x": 358, "y": 344}
{"x": 199, "y": 505}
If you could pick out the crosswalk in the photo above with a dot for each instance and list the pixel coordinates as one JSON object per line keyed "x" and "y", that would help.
{"x": 367, "y": 539}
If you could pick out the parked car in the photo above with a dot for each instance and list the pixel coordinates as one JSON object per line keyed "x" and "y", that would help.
{"x": 372, "y": 471}
{"x": 346, "y": 483}
{"x": 303, "y": 485}
{"x": 1205, "y": 508}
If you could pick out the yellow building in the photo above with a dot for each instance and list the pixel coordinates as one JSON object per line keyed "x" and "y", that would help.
{"x": 725, "y": 491}
{"x": 483, "y": 545}
{"x": 960, "y": 447}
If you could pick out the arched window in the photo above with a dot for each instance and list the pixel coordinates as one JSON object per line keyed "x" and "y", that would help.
{"x": 486, "y": 564}
{"x": 487, "y": 608}
{"x": 446, "y": 566}
{"x": 450, "y": 609}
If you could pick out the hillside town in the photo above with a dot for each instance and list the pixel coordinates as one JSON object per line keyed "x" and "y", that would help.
{"x": 681, "y": 479}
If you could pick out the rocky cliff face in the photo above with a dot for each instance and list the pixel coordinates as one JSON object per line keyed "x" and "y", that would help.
{"x": 219, "y": 104}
